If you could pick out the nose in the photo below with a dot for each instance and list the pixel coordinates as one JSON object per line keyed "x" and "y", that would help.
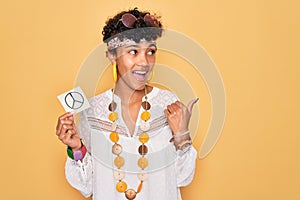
{"x": 142, "y": 59}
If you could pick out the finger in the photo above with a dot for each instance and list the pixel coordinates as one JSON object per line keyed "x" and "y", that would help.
{"x": 75, "y": 129}
{"x": 66, "y": 115}
{"x": 62, "y": 118}
{"x": 71, "y": 118}
{"x": 68, "y": 122}
{"x": 68, "y": 127}
{"x": 65, "y": 128}
{"x": 170, "y": 108}
{"x": 72, "y": 132}
{"x": 64, "y": 137}
{"x": 178, "y": 103}
{"x": 58, "y": 129}
{"x": 69, "y": 134}
{"x": 177, "y": 106}
{"x": 61, "y": 123}
{"x": 191, "y": 104}
{"x": 167, "y": 113}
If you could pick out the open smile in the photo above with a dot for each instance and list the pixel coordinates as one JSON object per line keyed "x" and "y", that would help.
{"x": 140, "y": 75}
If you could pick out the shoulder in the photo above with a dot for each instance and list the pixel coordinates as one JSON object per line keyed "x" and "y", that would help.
{"x": 164, "y": 97}
{"x": 100, "y": 98}
{"x": 99, "y": 104}
{"x": 166, "y": 94}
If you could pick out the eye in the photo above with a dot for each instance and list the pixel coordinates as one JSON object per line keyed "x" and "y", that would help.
{"x": 151, "y": 52}
{"x": 133, "y": 51}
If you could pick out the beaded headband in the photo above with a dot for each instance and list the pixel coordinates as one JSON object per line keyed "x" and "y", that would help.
{"x": 117, "y": 42}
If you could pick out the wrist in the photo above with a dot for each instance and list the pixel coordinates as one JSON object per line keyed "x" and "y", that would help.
{"x": 76, "y": 148}
{"x": 184, "y": 144}
{"x": 180, "y": 131}
{"x": 181, "y": 140}
{"x": 179, "y": 137}
{"x": 178, "y": 140}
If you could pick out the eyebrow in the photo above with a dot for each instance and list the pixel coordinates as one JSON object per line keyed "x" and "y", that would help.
{"x": 137, "y": 46}
{"x": 129, "y": 46}
{"x": 152, "y": 45}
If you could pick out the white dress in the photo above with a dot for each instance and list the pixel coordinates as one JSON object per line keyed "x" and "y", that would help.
{"x": 168, "y": 169}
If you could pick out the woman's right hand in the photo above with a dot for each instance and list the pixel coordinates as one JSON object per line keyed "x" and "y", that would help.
{"x": 67, "y": 132}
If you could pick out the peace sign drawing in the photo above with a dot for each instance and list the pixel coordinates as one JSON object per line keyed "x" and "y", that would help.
{"x": 74, "y": 100}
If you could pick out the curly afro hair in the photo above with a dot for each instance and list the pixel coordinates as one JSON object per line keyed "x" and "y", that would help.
{"x": 140, "y": 30}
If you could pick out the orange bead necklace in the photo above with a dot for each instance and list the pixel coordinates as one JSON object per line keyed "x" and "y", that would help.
{"x": 119, "y": 161}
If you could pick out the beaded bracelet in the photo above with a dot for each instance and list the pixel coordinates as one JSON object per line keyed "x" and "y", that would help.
{"x": 174, "y": 137}
{"x": 79, "y": 154}
{"x": 184, "y": 144}
{"x": 181, "y": 134}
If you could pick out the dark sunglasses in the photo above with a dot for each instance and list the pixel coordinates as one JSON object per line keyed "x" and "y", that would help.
{"x": 129, "y": 19}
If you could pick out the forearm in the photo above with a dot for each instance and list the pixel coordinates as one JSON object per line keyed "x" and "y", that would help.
{"x": 79, "y": 174}
{"x": 185, "y": 165}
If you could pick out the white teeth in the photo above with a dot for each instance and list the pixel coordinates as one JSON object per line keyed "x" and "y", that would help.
{"x": 140, "y": 72}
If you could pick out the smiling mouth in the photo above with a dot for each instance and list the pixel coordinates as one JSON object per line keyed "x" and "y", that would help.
{"x": 140, "y": 75}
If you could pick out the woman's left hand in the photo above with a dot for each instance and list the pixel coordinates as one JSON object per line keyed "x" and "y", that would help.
{"x": 178, "y": 116}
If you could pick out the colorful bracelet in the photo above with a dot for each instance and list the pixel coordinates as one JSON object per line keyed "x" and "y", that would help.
{"x": 79, "y": 154}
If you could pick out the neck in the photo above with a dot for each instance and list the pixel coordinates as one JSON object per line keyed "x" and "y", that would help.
{"x": 129, "y": 95}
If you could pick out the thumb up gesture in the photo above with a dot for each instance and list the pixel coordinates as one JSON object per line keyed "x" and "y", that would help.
{"x": 178, "y": 116}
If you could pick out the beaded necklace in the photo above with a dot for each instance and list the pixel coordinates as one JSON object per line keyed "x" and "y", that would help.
{"x": 117, "y": 148}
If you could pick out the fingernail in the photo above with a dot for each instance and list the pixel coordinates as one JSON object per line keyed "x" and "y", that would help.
{"x": 73, "y": 112}
{"x": 194, "y": 101}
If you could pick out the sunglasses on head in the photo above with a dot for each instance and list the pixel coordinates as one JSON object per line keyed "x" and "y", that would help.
{"x": 129, "y": 19}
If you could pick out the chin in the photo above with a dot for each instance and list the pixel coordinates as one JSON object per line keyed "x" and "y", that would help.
{"x": 140, "y": 86}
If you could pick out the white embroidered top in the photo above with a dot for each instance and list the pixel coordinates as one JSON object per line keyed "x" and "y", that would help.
{"x": 168, "y": 169}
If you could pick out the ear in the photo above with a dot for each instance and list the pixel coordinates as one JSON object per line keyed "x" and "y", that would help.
{"x": 111, "y": 56}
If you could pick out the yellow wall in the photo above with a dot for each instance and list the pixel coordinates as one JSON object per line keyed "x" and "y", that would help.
{"x": 255, "y": 45}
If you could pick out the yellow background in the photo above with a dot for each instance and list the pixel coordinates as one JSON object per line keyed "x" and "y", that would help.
{"x": 255, "y": 45}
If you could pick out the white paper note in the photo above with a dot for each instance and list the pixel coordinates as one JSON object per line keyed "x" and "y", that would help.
{"x": 74, "y": 100}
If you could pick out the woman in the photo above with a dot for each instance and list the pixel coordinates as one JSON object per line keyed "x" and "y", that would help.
{"x": 136, "y": 139}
